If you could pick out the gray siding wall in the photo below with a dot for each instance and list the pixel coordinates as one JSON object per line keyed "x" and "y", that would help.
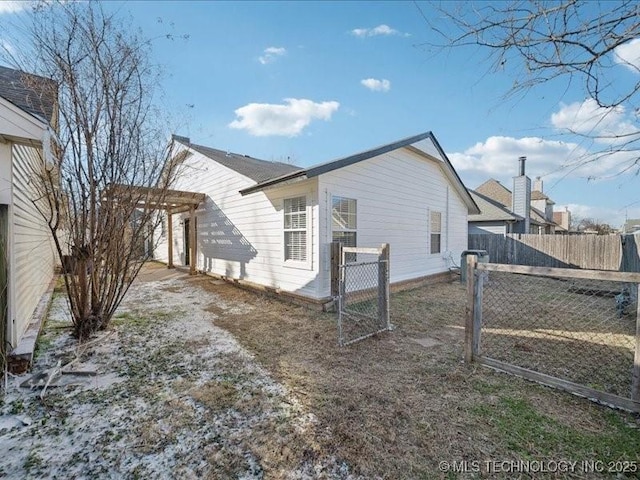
{"x": 496, "y": 228}
{"x": 522, "y": 201}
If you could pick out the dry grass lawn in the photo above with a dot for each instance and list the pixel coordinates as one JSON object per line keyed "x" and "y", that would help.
{"x": 199, "y": 379}
{"x": 398, "y": 404}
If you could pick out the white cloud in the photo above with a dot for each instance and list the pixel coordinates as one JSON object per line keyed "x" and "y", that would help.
{"x": 8, "y": 6}
{"x": 384, "y": 30}
{"x": 376, "y": 85}
{"x": 7, "y": 47}
{"x": 628, "y": 54}
{"x": 498, "y": 156}
{"x": 288, "y": 119}
{"x": 271, "y": 54}
{"x": 606, "y": 124}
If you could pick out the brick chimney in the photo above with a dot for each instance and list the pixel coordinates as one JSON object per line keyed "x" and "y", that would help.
{"x": 521, "y": 198}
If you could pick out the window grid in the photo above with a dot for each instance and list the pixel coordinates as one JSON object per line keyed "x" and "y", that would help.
{"x": 344, "y": 223}
{"x": 295, "y": 229}
{"x": 436, "y": 232}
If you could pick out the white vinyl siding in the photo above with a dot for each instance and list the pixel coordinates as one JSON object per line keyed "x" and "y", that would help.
{"x": 295, "y": 229}
{"x": 392, "y": 191}
{"x": 241, "y": 237}
{"x": 32, "y": 260}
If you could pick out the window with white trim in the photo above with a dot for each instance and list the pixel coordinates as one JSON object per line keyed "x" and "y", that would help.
{"x": 436, "y": 232}
{"x": 344, "y": 223}
{"x": 295, "y": 229}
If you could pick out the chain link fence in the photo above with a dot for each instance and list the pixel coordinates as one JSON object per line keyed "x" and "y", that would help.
{"x": 363, "y": 299}
{"x": 567, "y": 329}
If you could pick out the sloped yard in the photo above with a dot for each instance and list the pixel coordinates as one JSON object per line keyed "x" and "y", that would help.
{"x": 199, "y": 379}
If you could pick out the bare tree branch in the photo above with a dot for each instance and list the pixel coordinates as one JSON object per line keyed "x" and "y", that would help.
{"x": 108, "y": 132}
{"x": 543, "y": 41}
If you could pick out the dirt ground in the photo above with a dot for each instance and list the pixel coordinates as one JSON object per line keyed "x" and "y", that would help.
{"x": 199, "y": 379}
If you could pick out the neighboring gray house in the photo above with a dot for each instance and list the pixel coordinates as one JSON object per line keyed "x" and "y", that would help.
{"x": 27, "y": 256}
{"x": 523, "y": 211}
{"x": 493, "y": 218}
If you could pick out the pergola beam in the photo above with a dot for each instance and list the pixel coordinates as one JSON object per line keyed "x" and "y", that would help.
{"x": 173, "y": 201}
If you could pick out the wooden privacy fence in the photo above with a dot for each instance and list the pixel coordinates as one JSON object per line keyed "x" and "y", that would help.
{"x": 594, "y": 252}
{"x": 577, "y": 330}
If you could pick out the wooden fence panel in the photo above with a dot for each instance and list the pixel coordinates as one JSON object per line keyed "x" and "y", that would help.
{"x": 594, "y": 252}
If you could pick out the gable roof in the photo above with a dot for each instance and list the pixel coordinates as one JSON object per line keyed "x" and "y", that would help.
{"x": 31, "y": 93}
{"x": 497, "y": 192}
{"x": 253, "y": 168}
{"x": 410, "y": 142}
{"x": 493, "y": 190}
{"x": 491, "y": 211}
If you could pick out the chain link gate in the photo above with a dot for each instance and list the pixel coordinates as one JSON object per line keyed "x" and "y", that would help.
{"x": 363, "y": 294}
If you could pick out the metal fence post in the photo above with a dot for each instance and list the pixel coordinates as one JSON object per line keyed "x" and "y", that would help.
{"x": 472, "y": 261}
{"x": 383, "y": 286}
{"x": 477, "y": 312}
{"x": 336, "y": 257}
{"x": 341, "y": 291}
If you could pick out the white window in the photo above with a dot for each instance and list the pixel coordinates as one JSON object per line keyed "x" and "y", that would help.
{"x": 295, "y": 229}
{"x": 436, "y": 232}
{"x": 344, "y": 223}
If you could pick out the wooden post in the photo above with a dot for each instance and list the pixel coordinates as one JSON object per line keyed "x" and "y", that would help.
{"x": 635, "y": 385}
{"x": 472, "y": 260}
{"x": 192, "y": 241}
{"x": 477, "y": 313}
{"x": 170, "y": 239}
{"x": 383, "y": 287}
{"x": 336, "y": 257}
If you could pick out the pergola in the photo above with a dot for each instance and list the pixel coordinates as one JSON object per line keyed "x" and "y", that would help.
{"x": 173, "y": 201}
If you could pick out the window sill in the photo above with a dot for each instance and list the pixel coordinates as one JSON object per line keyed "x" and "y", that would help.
{"x": 297, "y": 265}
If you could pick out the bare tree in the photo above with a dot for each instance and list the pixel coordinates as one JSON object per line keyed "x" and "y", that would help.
{"x": 108, "y": 138}
{"x": 581, "y": 42}
{"x": 594, "y": 225}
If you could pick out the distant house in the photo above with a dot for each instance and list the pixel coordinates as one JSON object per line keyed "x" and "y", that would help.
{"x": 271, "y": 224}
{"x": 27, "y": 111}
{"x": 523, "y": 211}
{"x": 631, "y": 225}
{"x": 494, "y": 217}
{"x": 562, "y": 219}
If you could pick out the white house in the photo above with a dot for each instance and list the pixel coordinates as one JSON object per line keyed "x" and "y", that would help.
{"x": 271, "y": 224}
{"x": 27, "y": 258}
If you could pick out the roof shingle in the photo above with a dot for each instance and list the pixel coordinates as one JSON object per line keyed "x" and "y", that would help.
{"x": 253, "y": 168}
{"x": 34, "y": 94}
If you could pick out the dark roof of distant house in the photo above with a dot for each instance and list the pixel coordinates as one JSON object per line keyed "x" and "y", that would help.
{"x": 34, "y": 94}
{"x": 490, "y": 210}
{"x": 253, "y": 168}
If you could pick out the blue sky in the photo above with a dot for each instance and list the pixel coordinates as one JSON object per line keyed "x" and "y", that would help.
{"x": 310, "y": 82}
